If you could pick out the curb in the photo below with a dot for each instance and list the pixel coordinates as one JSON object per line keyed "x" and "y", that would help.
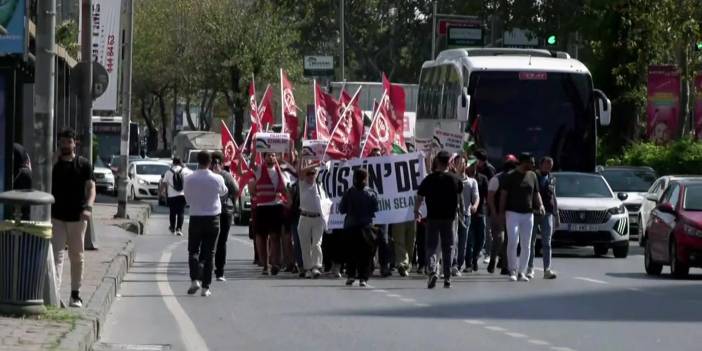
{"x": 88, "y": 328}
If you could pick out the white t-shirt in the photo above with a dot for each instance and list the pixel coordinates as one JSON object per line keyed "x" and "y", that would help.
{"x": 494, "y": 183}
{"x": 168, "y": 179}
{"x": 309, "y": 197}
{"x": 203, "y": 189}
{"x": 470, "y": 193}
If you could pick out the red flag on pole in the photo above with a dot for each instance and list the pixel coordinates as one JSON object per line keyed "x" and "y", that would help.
{"x": 265, "y": 110}
{"x": 396, "y": 97}
{"x": 325, "y": 112}
{"x": 230, "y": 149}
{"x": 253, "y": 106}
{"x": 382, "y": 132}
{"x": 290, "y": 121}
{"x": 345, "y": 142}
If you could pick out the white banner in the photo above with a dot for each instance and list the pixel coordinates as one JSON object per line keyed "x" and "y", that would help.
{"x": 449, "y": 141}
{"x": 313, "y": 149}
{"x": 394, "y": 178}
{"x": 272, "y": 142}
{"x": 105, "y": 50}
{"x": 423, "y": 145}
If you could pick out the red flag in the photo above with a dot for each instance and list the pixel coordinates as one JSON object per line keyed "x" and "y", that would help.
{"x": 382, "y": 133}
{"x": 230, "y": 149}
{"x": 325, "y": 112}
{"x": 265, "y": 110}
{"x": 253, "y": 106}
{"x": 396, "y": 117}
{"x": 290, "y": 122}
{"x": 345, "y": 142}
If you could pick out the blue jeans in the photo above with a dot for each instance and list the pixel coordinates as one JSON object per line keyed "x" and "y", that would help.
{"x": 543, "y": 225}
{"x": 476, "y": 238}
{"x": 463, "y": 228}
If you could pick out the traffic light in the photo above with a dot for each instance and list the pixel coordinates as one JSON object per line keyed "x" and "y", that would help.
{"x": 551, "y": 40}
{"x": 698, "y": 45}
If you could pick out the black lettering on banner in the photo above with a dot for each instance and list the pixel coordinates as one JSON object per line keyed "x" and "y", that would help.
{"x": 375, "y": 178}
{"x": 402, "y": 175}
{"x": 333, "y": 187}
{"x": 414, "y": 173}
{"x": 343, "y": 183}
{"x": 384, "y": 205}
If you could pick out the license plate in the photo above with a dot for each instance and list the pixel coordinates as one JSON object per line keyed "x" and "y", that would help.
{"x": 582, "y": 228}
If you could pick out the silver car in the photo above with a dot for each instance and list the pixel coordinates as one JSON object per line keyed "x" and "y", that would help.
{"x": 634, "y": 181}
{"x": 591, "y": 214}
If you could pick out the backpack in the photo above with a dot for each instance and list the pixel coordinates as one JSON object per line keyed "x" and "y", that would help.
{"x": 178, "y": 179}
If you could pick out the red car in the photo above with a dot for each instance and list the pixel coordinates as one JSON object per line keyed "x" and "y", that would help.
{"x": 674, "y": 230}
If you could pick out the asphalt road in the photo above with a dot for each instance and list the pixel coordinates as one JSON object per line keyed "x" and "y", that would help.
{"x": 595, "y": 304}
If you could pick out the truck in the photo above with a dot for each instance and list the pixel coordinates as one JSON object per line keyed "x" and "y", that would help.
{"x": 187, "y": 144}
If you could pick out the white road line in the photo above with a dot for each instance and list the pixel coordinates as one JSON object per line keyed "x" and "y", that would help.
{"x": 422, "y": 305}
{"x": 538, "y": 342}
{"x": 408, "y": 300}
{"x": 495, "y": 328}
{"x": 560, "y": 348}
{"x": 191, "y": 338}
{"x": 516, "y": 335}
{"x": 245, "y": 242}
{"x": 473, "y": 322}
{"x": 591, "y": 280}
{"x": 393, "y": 295}
{"x": 634, "y": 289}
{"x": 379, "y": 291}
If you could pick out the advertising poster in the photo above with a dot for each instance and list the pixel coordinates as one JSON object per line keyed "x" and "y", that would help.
{"x": 663, "y": 105}
{"x": 13, "y": 17}
{"x": 105, "y": 51}
{"x": 698, "y": 105}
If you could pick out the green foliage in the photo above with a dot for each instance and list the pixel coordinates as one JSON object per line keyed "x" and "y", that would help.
{"x": 683, "y": 156}
{"x": 67, "y": 37}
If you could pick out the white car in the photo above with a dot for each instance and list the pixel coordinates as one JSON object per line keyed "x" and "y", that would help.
{"x": 634, "y": 181}
{"x": 145, "y": 178}
{"x": 591, "y": 214}
{"x": 651, "y": 199}
{"x": 104, "y": 178}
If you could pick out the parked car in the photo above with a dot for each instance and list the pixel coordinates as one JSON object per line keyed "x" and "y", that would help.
{"x": 242, "y": 211}
{"x": 591, "y": 214}
{"x": 652, "y": 198}
{"x": 104, "y": 179}
{"x": 635, "y": 182}
{"x": 145, "y": 178}
{"x": 675, "y": 230}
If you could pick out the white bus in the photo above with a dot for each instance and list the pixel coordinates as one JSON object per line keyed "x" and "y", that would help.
{"x": 107, "y": 132}
{"x": 514, "y": 100}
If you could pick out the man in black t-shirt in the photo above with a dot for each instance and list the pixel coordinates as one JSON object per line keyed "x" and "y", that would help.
{"x": 442, "y": 191}
{"x": 519, "y": 199}
{"x": 73, "y": 187}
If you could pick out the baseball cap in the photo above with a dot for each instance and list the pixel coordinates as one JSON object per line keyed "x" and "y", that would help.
{"x": 510, "y": 158}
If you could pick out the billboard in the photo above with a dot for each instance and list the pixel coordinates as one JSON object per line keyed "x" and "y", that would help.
{"x": 13, "y": 17}
{"x": 105, "y": 50}
{"x": 698, "y": 105}
{"x": 663, "y": 105}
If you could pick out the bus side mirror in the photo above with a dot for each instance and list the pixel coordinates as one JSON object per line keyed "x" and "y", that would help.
{"x": 463, "y": 107}
{"x": 604, "y": 108}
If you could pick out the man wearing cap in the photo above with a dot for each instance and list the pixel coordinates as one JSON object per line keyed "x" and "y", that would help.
{"x": 497, "y": 224}
{"x": 442, "y": 191}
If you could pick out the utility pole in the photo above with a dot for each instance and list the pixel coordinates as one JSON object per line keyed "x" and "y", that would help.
{"x": 86, "y": 100}
{"x": 126, "y": 112}
{"x": 343, "y": 46}
{"x": 433, "y": 32}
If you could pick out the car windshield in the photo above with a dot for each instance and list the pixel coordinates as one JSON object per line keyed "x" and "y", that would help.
{"x": 576, "y": 185}
{"x": 693, "y": 197}
{"x": 629, "y": 180}
{"x": 99, "y": 163}
{"x": 151, "y": 169}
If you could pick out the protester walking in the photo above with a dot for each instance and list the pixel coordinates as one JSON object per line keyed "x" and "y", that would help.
{"x": 519, "y": 199}
{"x": 225, "y": 218}
{"x": 359, "y": 204}
{"x": 498, "y": 247}
{"x": 175, "y": 197}
{"x": 470, "y": 200}
{"x": 442, "y": 191}
{"x": 545, "y": 224}
{"x": 311, "y": 226}
{"x": 403, "y": 235}
{"x": 73, "y": 188}
{"x": 477, "y": 233}
{"x": 203, "y": 191}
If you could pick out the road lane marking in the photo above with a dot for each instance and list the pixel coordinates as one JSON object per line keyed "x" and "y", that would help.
{"x": 560, "y": 348}
{"x": 393, "y": 295}
{"x": 408, "y": 300}
{"x": 538, "y": 342}
{"x": 422, "y": 305}
{"x": 473, "y": 322}
{"x": 591, "y": 280}
{"x": 382, "y": 291}
{"x": 634, "y": 289}
{"x": 516, "y": 335}
{"x": 191, "y": 338}
{"x": 495, "y": 328}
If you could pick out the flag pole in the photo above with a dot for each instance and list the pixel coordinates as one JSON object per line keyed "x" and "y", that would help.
{"x": 373, "y": 119}
{"x": 339, "y": 121}
{"x": 282, "y": 101}
{"x": 316, "y": 123}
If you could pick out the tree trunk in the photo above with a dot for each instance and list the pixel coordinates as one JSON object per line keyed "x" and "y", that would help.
{"x": 152, "y": 137}
{"x": 201, "y": 113}
{"x": 164, "y": 120}
{"x": 188, "y": 115}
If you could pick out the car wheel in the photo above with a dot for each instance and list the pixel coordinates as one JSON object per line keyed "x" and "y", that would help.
{"x": 621, "y": 251}
{"x": 677, "y": 268}
{"x": 652, "y": 268}
{"x": 601, "y": 249}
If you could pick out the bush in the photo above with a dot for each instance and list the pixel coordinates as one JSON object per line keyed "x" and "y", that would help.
{"x": 683, "y": 156}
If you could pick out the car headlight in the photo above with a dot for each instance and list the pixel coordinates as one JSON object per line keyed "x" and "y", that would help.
{"x": 143, "y": 182}
{"x": 692, "y": 231}
{"x": 617, "y": 210}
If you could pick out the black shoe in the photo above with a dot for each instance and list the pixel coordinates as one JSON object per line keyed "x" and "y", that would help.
{"x": 295, "y": 269}
{"x": 301, "y": 274}
{"x": 350, "y": 281}
{"x": 475, "y": 265}
{"x": 385, "y": 274}
{"x": 432, "y": 281}
{"x": 275, "y": 270}
{"x": 491, "y": 269}
{"x": 504, "y": 271}
{"x": 402, "y": 270}
{"x": 447, "y": 284}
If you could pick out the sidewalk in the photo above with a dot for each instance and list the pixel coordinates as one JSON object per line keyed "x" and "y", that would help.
{"x": 77, "y": 329}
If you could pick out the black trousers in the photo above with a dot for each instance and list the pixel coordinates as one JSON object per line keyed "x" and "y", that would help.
{"x": 202, "y": 235}
{"x": 420, "y": 245}
{"x": 361, "y": 252}
{"x": 334, "y": 248}
{"x": 176, "y": 207}
{"x": 225, "y": 223}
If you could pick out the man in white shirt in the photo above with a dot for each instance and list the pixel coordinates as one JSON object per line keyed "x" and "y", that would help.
{"x": 203, "y": 190}
{"x": 173, "y": 181}
{"x": 311, "y": 225}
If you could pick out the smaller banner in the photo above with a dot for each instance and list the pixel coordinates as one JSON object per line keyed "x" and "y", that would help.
{"x": 423, "y": 145}
{"x": 698, "y": 105}
{"x": 313, "y": 150}
{"x": 272, "y": 142}
{"x": 663, "y": 107}
{"x": 449, "y": 141}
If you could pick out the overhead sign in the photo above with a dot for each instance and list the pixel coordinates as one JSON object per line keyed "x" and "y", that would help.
{"x": 520, "y": 38}
{"x": 464, "y": 36}
{"x": 272, "y": 142}
{"x": 105, "y": 50}
{"x": 313, "y": 149}
{"x": 319, "y": 66}
{"x": 449, "y": 141}
{"x": 13, "y": 17}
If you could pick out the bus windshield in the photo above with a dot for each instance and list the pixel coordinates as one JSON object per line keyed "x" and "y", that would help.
{"x": 544, "y": 113}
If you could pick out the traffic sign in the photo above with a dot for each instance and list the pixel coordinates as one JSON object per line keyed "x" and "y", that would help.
{"x": 318, "y": 66}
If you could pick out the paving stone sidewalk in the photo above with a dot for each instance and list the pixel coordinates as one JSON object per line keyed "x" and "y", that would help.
{"x": 102, "y": 273}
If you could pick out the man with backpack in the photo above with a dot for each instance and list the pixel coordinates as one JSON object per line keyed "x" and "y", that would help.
{"x": 174, "y": 180}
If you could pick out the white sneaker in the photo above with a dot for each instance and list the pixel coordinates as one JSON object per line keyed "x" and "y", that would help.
{"x": 530, "y": 273}
{"x": 549, "y": 274}
{"x": 206, "y": 292}
{"x": 512, "y": 277}
{"x": 221, "y": 279}
{"x": 76, "y": 302}
{"x": 487, "y": 260}
{"x": 455, "y": 272}
{"x": 179, "y": 233}
{"x": 308, "y": 274}
{"x": 523, "y": 278}
{"x": 194, "y": 287}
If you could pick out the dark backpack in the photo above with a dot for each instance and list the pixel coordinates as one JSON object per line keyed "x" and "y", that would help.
{"x": 178, "y": 179}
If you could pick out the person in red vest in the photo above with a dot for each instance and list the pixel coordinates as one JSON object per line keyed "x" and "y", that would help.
{"x": 269, "y": 191}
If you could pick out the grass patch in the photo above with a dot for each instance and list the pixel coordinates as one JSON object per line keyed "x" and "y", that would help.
{"x": 57, "y": 314}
